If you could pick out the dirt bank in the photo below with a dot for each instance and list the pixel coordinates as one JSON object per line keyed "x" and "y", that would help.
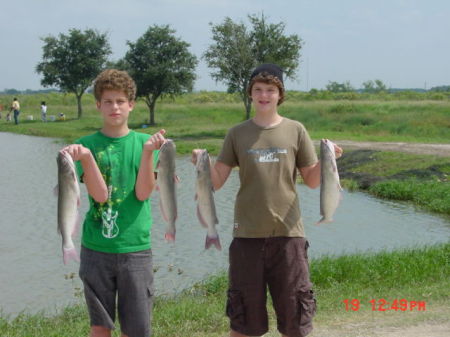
{"x": 442, "y": 150}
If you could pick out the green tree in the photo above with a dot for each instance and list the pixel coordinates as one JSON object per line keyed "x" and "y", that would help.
{"x": 236, "y": 50}
{"x": 374, "y": 86}
{"x": 160, "y": 64}
{"x": 369, "y": 86}
{"x": 71, "y": 62}
{"x": 339, "y": 87}
{"x": 380, "y": 86}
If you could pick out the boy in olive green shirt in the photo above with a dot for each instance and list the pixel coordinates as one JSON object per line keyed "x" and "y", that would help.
{"x": 117, "y": 166}
{"x": 269, "y": 248}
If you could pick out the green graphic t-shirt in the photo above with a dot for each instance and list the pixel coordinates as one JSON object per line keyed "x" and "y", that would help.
{"x": 122, "y": 224}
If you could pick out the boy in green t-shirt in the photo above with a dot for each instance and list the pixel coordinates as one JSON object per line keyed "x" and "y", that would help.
{"x": 117, "y": 166}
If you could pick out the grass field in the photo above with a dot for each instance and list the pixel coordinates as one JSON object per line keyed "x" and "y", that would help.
{"x": 202, "y": 119}
{"x": 415, "y": 275}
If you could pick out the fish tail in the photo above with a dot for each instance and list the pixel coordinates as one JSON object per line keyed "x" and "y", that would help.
{"x": 70, "y": 254}
{"x": 212, "y": 240}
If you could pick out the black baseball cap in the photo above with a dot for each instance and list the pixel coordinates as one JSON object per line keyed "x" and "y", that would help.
{"x": 269, "y": 68}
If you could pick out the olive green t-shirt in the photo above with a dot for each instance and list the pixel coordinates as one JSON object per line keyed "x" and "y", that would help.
{"x": 123, "y": 223}
{"x": 267, "y": 204}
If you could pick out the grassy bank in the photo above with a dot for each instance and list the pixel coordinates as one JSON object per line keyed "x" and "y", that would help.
{"x": 415, "y": 275}
{"x": 420, "y": 179}
{"x": 202, "y": 119}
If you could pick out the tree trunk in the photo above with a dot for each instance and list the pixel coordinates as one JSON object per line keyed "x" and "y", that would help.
{"x": 152, "y": 112}
{"x": 80, "y": 110}
{"x": 151, "y": 103}
{"x": 248, "y": 106}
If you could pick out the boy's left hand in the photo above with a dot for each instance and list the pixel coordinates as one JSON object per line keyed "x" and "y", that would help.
{"x": 338, "y": 151}
{"x": 155, "y": 141}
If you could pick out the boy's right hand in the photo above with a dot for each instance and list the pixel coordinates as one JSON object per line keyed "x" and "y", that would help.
{"x": 77, "y": 151}
{"x": 155, "y": 141}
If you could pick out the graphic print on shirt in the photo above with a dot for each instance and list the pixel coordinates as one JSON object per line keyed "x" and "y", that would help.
{"x": 107, "y": 160}
{"x": 110, "y": 229}
{"x": 270, "y": 155}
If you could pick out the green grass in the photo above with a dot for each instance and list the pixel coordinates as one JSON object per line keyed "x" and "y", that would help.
{"x": 203, "y": 118}
{"x": 419, "y": 274}
{"x": 419, "y": 179}
{"x": 431, "y": 195}
{"x": 390, "y": 163}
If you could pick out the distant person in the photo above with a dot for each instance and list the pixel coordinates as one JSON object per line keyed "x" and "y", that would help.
{"x": 15, "y": 108}
{"x": 1, "y": 109}
{"x": 43, "y": 111}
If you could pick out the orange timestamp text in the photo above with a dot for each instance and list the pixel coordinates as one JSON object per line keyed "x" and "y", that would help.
{"x": 384, "y": 305}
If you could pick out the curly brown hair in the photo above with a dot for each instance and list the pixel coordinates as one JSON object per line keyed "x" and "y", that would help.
{"x": 113, "y": 79}
{"x": 265, "y": 77}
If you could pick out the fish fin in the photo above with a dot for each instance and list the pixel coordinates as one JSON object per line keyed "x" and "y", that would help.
{"x": 213, "y": 240}
{"x": 70, "y": 254}
{"x": 74, "y": 176}
{"x": 323, "y": 220}
{"x": 200, "y": 218}
{"x": 169, "y": 237}
{"x": 55, "y": 190}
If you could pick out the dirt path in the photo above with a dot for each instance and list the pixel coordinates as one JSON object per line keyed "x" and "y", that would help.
{"x": 434, "y": 322}
{"x": 442, "y": 150}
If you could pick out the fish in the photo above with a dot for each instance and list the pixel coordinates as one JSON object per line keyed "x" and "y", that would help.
{"x": 68, "y": 191}
{"x": 206, "y": 208}
{"x": 166, "y": 185}
{"x": 330, "y": 187}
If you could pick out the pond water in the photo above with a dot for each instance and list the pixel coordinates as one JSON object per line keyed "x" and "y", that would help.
{"x": 33, "y": 277}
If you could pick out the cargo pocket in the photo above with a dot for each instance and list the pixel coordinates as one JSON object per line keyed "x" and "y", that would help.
{"x": 235, "y": 308}
{"x": 306, "y": 249}
{"x": 306, "y": 310}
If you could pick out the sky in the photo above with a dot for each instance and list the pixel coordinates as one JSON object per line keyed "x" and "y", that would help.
{"x": 404, "y": 43}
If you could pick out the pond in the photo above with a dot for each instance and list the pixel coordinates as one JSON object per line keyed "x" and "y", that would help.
{"x": 33, "y": 277}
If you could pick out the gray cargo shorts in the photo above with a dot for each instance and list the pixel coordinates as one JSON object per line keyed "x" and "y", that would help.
{"x": 125, "y": 279}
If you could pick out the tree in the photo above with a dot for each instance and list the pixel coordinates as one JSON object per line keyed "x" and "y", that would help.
{"x": 374, "y": 86}
{"x": 160, "y": 64}
{"x": 380, "y": 86}
{"x": 237, "y": 50}
{"x": 369, "y": 86}
{"x": 339, "y": 87}
{"x": 71, "y": 62}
